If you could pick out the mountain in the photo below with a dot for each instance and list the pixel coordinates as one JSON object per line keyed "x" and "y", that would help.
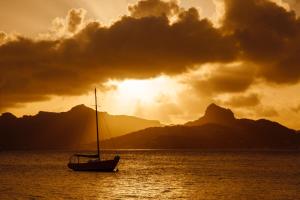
{"x": 215, "y": 114}
{"x": 217, "y": 129}
{"x": 73, "y": 129}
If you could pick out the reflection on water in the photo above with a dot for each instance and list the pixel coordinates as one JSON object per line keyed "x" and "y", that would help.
{"x": 154, "y": 174}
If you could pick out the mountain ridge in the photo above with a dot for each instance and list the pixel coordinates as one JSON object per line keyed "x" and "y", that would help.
{"x": 214, "y": 113}
{"x": 70, "y": 129}
{"x": 217, "y": 129}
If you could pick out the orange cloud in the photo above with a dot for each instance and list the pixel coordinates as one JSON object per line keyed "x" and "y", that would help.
{"x": 146, "y": 44}
{"x": 223, "y": 78}
{"x": 268, "y": 35}
{"x": 130, "y": 48}
{"x": 154, "y": 8}
{"x": 75, "y": 19}
{"x": 248, "y": 100}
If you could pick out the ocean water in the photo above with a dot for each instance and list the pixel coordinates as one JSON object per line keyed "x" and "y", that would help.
{"x": 154, "y": 175}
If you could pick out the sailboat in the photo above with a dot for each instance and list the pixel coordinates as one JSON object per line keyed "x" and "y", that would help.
{"x": 93, "y": 162}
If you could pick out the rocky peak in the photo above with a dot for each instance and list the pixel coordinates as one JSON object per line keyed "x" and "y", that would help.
{"x": 218, "y": 113}
{"x": 214, "y": 114}
{"x": 8, "y": 115}
{"x": 80, "y": 107}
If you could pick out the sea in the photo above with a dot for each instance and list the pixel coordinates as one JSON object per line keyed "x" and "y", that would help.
{"x": 154, "y": 174}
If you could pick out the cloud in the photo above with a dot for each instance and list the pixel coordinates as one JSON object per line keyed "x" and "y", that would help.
{"x": 165, "y": 109}
{"x": 296, "y": 109}
{"x": 239, "y": 101}
{"x": 266, "y": 111}
{"x": 282, "y": 3}
{"x": 58, "y": 29}
{"x": 268, "y": 35}
{"x": 262, "y": 35}
{"x": 295, "y": 5}
{"x": 222, "y": 78}
{"x": 130, "y": 48}
{"x": 219, "y": 12}
{"x": 2, "y": 37}
{"x": 65, "y": 27}
{"x": 154, "y": 8}
{"x": 75, "y": 19}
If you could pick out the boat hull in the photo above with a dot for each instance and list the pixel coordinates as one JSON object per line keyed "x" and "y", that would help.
{"x": 98, "y": 166}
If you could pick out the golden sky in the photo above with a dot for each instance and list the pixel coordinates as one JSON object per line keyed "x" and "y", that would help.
{"x": 164, "y": 60}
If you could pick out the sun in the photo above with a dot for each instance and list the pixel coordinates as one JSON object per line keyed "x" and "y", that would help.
{"x": 129, "y": 94}
{"x": 138, "y": 90}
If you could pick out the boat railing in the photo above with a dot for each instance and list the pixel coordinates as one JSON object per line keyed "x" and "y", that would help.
{"x": 83, "y": 158}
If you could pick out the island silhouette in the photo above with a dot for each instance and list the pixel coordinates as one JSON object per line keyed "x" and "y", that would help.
{"x": 74, "y": 129}
{"x": 217, "y": 129}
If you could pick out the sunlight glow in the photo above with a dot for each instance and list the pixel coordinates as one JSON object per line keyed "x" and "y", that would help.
{"x": 141, "y": 90}
{"x": 130, "y": 94}
{"x": 145, "y": 91}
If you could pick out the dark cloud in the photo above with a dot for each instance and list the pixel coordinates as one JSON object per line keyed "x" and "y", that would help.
{"x": 238, "y": 101}
{"x": 146, "y": 44}
{"x": 268, "y": 35}
{"x": 154, "y": 8}
{"x": 129, "y": 48}
{"x": 224, "y": 79}
{"x": 295, "y": 5}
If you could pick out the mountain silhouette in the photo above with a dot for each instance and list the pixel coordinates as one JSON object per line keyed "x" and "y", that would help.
{"x": 215, "y": 114}
{"x": 75, "y": 129}
{"x": 72, "y": 129}
{"x": 217, "y": 129}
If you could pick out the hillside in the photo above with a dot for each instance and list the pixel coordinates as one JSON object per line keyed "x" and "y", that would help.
{"x": 73, "y": 129}
{"x": 217, "y": 129}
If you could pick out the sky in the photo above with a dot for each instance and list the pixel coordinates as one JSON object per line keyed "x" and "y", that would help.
{"x": 164, "y": 60}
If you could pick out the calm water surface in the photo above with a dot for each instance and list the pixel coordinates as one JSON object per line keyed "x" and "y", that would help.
{"x": 154, "y": 175}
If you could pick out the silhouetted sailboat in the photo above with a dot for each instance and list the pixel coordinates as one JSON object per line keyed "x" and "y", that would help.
{"x": 93, "y": 161}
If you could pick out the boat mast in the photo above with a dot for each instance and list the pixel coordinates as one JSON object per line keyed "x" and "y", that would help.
{"x": 97, "y": 128}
